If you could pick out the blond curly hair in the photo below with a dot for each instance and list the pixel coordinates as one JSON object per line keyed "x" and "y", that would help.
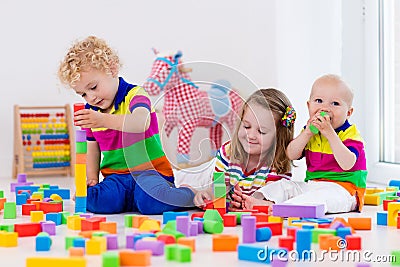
{"x": 91, "y": 52}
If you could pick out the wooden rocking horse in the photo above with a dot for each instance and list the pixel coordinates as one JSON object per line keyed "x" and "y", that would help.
{"x": 187, "y": 107}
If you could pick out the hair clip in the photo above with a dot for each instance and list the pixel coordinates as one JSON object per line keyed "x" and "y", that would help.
{"x": 289, "y": 117}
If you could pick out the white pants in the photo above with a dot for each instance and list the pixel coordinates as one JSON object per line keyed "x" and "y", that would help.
{"x": 334, "y": 197}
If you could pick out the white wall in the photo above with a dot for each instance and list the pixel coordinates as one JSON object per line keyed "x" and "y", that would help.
{"x": 284, "y": 44}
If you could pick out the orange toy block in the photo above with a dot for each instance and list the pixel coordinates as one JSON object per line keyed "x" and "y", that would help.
{"x": 2, "y": 201}
{"x": 323, "y": 240}
{"x": 134, "y": 258}
{"x": 360, "y": 223}
{"x": 90, "y": 224}
{"x": 76, "y": 252}
{"x": 188, "y": 241}
{"x": 260, "y": 217}
{"x": 80, "y": 158}
{"x": 225, "y": 242}
{"x": 220, "y": 203}
{"x": 138, "y": 220}
{"x": 110, "y": 227}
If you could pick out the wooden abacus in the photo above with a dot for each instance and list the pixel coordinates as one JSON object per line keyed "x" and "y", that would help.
{"x": 43, "y": 141}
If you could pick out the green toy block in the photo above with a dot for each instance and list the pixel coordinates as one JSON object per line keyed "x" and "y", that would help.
{"x": 314, "y": 129}
{"x": 396, "y": 257}
{"x": 81, "y": 147}
{"x": 319, "y": 231}
{"x": 392, "y": 197}
{"x": 170, "y": 225}
{"x": 1, "y": 194}
{"x": 7, "y": 227}
{"x": 110, "y": 259}
{"x": 69, "y": 241}
{"x": 10, "y": 210}
{"x": 172, "y": 232}
{"x": 219, "y": 178}
{"x": 100, "y": 233}
{"x": 128, "y": 218}
{"x": 219, "y": 190}
{"x": 177, "y": 252}
{"x": 213, "y": 227}
{"x": 239, "y": 215}
{"x": 64, "y": 216}
{"x": 212, "y": 215}
{"x": 45, "y": 186}
{"x": 170, "y": 252}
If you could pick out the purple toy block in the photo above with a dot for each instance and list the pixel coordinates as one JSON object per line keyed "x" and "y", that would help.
{"x": 129, "y": 240}
{"x": 336, "y": 225}
{"x": 156, "y": 247}
{"x": 48, "y": 227}
{"x": 112, "y": 241}
{"x": 193, "y": 229}
{"x": 304, "y": 211}
{"x": 47, "y": 199}
{"x": 80, "y": 136}
{"x": 277, "y": 262}
{"x": 21, "y": 177}
{"x": 200, "y": 226}
{"x": 14, "y": 185}
{"x": 249, "y": 229}
{"x": 361, "y": 264}
{"x": 182, "y": 225}
{"x": 86, "y": 215}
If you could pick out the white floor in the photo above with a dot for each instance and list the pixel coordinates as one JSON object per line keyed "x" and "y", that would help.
{"x": 377, "y": 243}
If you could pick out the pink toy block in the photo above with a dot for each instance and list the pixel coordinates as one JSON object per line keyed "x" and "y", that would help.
{"x": 305, "y": 211}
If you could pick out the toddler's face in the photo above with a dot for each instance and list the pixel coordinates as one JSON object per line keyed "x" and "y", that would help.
{"x": 257, "y": 130}
{"x": 333, "y": 98}
{"x": 97, "y": 88}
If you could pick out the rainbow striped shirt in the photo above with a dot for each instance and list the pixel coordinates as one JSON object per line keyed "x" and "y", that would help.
{"x": 128, "y": 152}
{"x": 321, "y": 163}
{"x": 234, "y": 173}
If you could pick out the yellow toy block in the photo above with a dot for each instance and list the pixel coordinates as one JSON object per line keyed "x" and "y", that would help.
{"x": 372, "y": 199}
{"x": 300, "y": 224}
{"x": 74, "y": 222}
{"x": 275, "y": 219}
{"x": 56, "y": 197}
{"x": 96, "y": 245}
{"x": 291, "y": 219}
{"x": 393, "y": 211}
{"x": 80, "y": 180}
{"x": 8, "y": 239}
{"x": 37, "y": 216}
{"x": 150, "y": 225}
{"x": 370, "y": 191}
{"x": 138, "y": 220}
{"x": 220, "y": 203}
{"x": 51, "y": 262}
{"x": 37, "y": 195}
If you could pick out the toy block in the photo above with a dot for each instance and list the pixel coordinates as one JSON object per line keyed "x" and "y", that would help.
{"x": 37, "y": 216}
{"x": 219, "y": 178}
{"x": 135, "y": 258}
{"x": 396, "y": 257}
{"x": 335, "y": 243}
{"x": 10, "y": 210}
{"x": 34, "y": 201}
{"x": 360, "y": 223}
{"x": 2, "y": 201}
{"x": 219, "y": 191}
{"x": 353, "y": 242}
{"x": 209, "y": 205}
{"x": 200, "y": 225}
{"x": 51, "y": 262}
{"x": 112, "y": 241}
{"x": 263, "y": 234}
{"x": 64, "y": 216}
{"x": 27, "y": 208}
{"x": 286, "y": 242}
{"x": 110, "y": 259}
{"x": 182, "y": 224}
{"x": 167, "y": 239}
{"x": 318, "y": 231}
{"x": 340, "y": 222}
{"x": 248, "y": 229}
{"x": 21, "y": 198}
{"x": 213, "y": 227}
{"x": 177, "y": 252}
{"x": 170, "y": 225}
{"x": 96, "y": 245}
{"x": 275, "y": 219}
{"x": 224, "y": 242}
{"x": 54, "y": 217}
{"x": 8, "y": 239}
{"x": 48, "y": 227}
{"x": 263, "y": 209}
{"x": 64, "y": 193}
{"x": 138, "y": 220}
{"x": 54, "y": 206}
{"x": 1, "y": 194}
{"x": 238, "y": 215}
{"x": 128, "y": 220}
{"x": 292, "y": 210}
{"x": 14, "y": 186}
{"x": 74, "y": 222}
{"x": 110, "y": 227}
{"x": 90, "y": 224}
{"x": 76, "y": 252}
{"x": 79, "y": 242}
{"x": 69, "y": 241}
{"x": 393, "y": 212}
{"x": 43, "y": 242}
{"x": 156, "y": 247}
{"x": 324, "y": 243}
{"x": 291, "y": 231}
{"x": 372, "y": 199}
{"x": 196, "y": 215}
{"x": 188, "y": 241}
{"x": 38, "y": 195}
{"x": 261, "y": 217}
{"x": 150, "y": 225}
{"x": 257, "y": 253}
{"x": 220, "y": 203}
{"x": 172, "y": 232}
{"x": 7, "y": 227}
{"x": 193, "y": 228}
{"x": 303, "y": 242}
{"x": 27, "y": 229}
{"x": 221, "y": 211}
{"x": 276, "y": 227}
{"x": 229, "y": 220}
{"x": 56, "y": 197}
{"x": 343, "y": 232}
{"x": 212, "y": 215}
{"x": 171, "y": 215}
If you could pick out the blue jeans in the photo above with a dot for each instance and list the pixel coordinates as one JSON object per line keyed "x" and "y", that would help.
{"x": 146, "y": 192}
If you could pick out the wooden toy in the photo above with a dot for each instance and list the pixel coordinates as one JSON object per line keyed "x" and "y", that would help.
{"x": 41, "y": 146}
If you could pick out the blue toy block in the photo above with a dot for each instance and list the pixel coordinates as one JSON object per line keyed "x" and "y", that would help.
{"x": 138, "y": 237}
{"x": 54, "y": 217}
{"x": 263, "y": 234}
{"x": 32, "y": 188}
{"x": 308, "y": 226}
{"x": 257, "y": 253}
{"x": 22, "y": 198}
{"x": 198, "y": 219}
{"x": 382, "y": 218}
{"x": 343, "y": 232}
{"x": 394, "y": 183}
{"x": 79, "y": 242}
{"x": 43, "y": 242}
{"x": 171, "y": 215}
{"x": 80, "y": 202}
{"x": 63, "y": 193}
{"x": 303, "y": 243}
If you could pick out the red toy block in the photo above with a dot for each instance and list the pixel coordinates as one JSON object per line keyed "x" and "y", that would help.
{"x": 27, "y": 208}
{"x": 353, "y": 242}
{"x": 291, "y": 231}
{"x": 197, "y": 215}
{"x": 209, "y": 205}
{"x": 324, "y": 225}
{"x": 27, "y": 229}
{"x": 167, "y": 239}
{"x": 398, "y": 222}
{"x": 90, "y": 224}
{"x": 276, "y": 227}
{"x": 260, "y": 217}
{"x": 101, "y": 218}
{"x": 221, "y": 211}
{"x": 286, "y": 242}
{"x": 48, "y": 207}
{"x": 263, "y": 209}
{"x": 230, "y": 220}
{"x": 386, "y": 202}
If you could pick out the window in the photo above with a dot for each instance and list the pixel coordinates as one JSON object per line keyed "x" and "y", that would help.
{"x": 389, "y": 79}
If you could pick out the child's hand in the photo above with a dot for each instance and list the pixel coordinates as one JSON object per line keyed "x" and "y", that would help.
{"x": 92, "y": 181}
{"x": 202, "y": 197}
{"x": 87, "y": 118}
{"x": 322, "y": 122}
